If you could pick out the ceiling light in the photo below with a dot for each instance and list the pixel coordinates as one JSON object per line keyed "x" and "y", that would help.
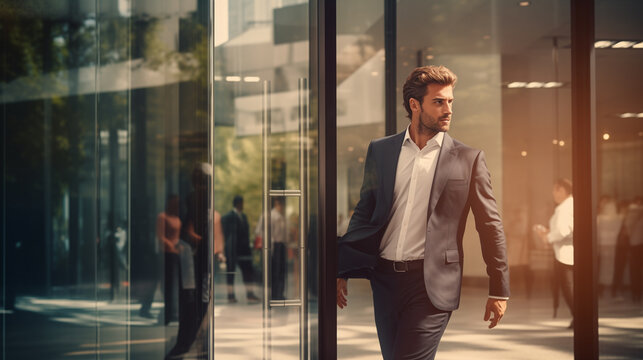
{"x": 606, "y": 136}
{"x": 534, "y": 85}
{"x": 561, "y": 143}
{"x": 638, "y": 46}
{"x": 524, "y": 3}
{"x": 251, "y": 79}
{"x": 553, "y": 84}
{"x": 233, "y": 78}
{"x": 350, "y": 148}
{"x": 374, "y": 73}
{"x": 603, "y": 44}
{"x": 623, "y": 44}
{"x": 217, "y": 78}
{"x": 523, "y": 153}
{"x": 516, "y": 84}
{"x": 639, "y": 115}
{"x": 627, "y": 115}
{"x": 555, "y": 142}
{"x": 430, "y": 57}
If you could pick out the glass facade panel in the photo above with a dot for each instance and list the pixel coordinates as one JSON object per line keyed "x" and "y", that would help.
{"x": 619, "y": 157}
{"x": 513, "y": 101}
{"x": 360, "y": 118}
{"x": 106, "y": 179}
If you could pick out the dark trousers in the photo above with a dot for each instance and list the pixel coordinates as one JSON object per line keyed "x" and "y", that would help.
{"x": 408, "y": 326}
{"x": 278, "y": 271}
{"x": 171, "y": 286}
{"x": 247, "y": 271}
{"x": 565, "y": 277}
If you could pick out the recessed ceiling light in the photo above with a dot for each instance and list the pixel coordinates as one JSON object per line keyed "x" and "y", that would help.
{"x": 516, "y": 84}
{"x": 603, "y": 44}
{"x": 606, "y": 136}
{"x": 534, "y": 85}
{"x": 524, "y": 3}
{"x": 638, "y": 46}
{"x": 430, "y": 57}
{"x": 639, "y": 115}
{"x": 627, "y": 115}
{"x": 251, "y": 79}
{"x": 233, "y": 78}
{"x": 553, "y": 84}
{"x": 555, "y": 142}
{"x": 561, "y": 143}
{"x": 623, "y": 44}
{"x": 523, "y": 153}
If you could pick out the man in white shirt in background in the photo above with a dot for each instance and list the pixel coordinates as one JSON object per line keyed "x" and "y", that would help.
{"x": 560, "y": 236}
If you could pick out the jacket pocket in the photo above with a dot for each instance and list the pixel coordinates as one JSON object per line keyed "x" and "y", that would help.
{"x": 451, "y": 256}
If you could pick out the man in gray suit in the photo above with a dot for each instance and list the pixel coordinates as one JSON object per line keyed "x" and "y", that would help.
{"x": 406, "y": 232}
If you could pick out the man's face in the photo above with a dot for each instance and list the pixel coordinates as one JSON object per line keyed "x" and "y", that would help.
{"x": 434, "y": 113}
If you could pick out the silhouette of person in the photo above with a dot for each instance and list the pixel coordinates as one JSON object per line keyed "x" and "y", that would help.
{"x": 194, "y": 254}
{"x": 168, "y": 231}
{"x": 236, "y": 231}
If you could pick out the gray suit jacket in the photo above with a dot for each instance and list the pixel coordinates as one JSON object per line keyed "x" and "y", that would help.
{"x": 461, "y": 182}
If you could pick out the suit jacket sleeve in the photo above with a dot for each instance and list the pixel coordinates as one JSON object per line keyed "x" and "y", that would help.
{"x": 490, "y": 229}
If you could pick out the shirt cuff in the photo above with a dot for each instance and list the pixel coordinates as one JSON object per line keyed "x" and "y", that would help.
{"x": 498, "y": 297}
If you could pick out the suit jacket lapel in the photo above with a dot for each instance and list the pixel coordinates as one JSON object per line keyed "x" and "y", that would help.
{"x": 442, "y": 171}
{"x": 389, "y": 163}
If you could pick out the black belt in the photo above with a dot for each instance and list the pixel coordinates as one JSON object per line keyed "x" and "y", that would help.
{"x": 389, "y": 266}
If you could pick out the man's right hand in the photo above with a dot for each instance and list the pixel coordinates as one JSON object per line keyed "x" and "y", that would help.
{"x": 342, "y": 292}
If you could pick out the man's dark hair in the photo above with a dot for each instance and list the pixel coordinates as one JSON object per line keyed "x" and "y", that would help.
{"x": 415, "y": 86}
{"x": 565, "y": 184}
{"x": 238, "y": 199}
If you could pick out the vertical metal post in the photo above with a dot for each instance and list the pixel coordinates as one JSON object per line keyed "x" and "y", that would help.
{"x": 265, "y": 132}
{"x": 390, "y": 64}
{"x": 324, "y": 86}
{"x": 303, "y": 217}
{"x": 584, "y": 176}
{"x": 211, "y": 224}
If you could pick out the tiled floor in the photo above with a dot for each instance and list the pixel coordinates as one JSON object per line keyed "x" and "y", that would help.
{"x": 528, "y": 330}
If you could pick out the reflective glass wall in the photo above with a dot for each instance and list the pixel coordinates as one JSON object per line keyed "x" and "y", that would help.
{"x": 513, "y": 100}
{"x": 106, "y": 178}
{"x": 619, "y": 157}
{"x": 360, "y": 118}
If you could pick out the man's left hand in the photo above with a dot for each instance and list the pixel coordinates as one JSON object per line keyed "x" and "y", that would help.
{"x": 497, "y": 307}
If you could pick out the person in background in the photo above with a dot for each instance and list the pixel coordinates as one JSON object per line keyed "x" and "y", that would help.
{"x": 560, "y": 236}
{"x": 236, "y": 231}
{"x": 168, "y": 231}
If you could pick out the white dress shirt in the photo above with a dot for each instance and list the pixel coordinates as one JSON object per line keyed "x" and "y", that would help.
{"x": 561, "y": 231}
{"x": 405, "y": 235}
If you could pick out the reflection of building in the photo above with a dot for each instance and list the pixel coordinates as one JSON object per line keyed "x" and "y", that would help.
{"x": 108, "y": 106}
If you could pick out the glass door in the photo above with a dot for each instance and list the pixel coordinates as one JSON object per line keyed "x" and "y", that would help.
{"x": 262, "y": 181}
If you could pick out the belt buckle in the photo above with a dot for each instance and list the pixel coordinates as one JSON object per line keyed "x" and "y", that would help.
{"x": 405, "y": 268}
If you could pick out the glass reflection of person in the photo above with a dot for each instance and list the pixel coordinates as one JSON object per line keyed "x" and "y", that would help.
{"x": 278, "y": 241}
{"x": 168, "y": 231}
{"x": 236, "y": 231}
{"x": 194, "y": 261}
{"x": 560, "y": 236}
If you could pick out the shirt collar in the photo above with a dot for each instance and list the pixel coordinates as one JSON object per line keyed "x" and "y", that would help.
{"x": 438, "y": 138}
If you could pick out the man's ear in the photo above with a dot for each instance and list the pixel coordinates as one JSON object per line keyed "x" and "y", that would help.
{"x": 415, "y": 105}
